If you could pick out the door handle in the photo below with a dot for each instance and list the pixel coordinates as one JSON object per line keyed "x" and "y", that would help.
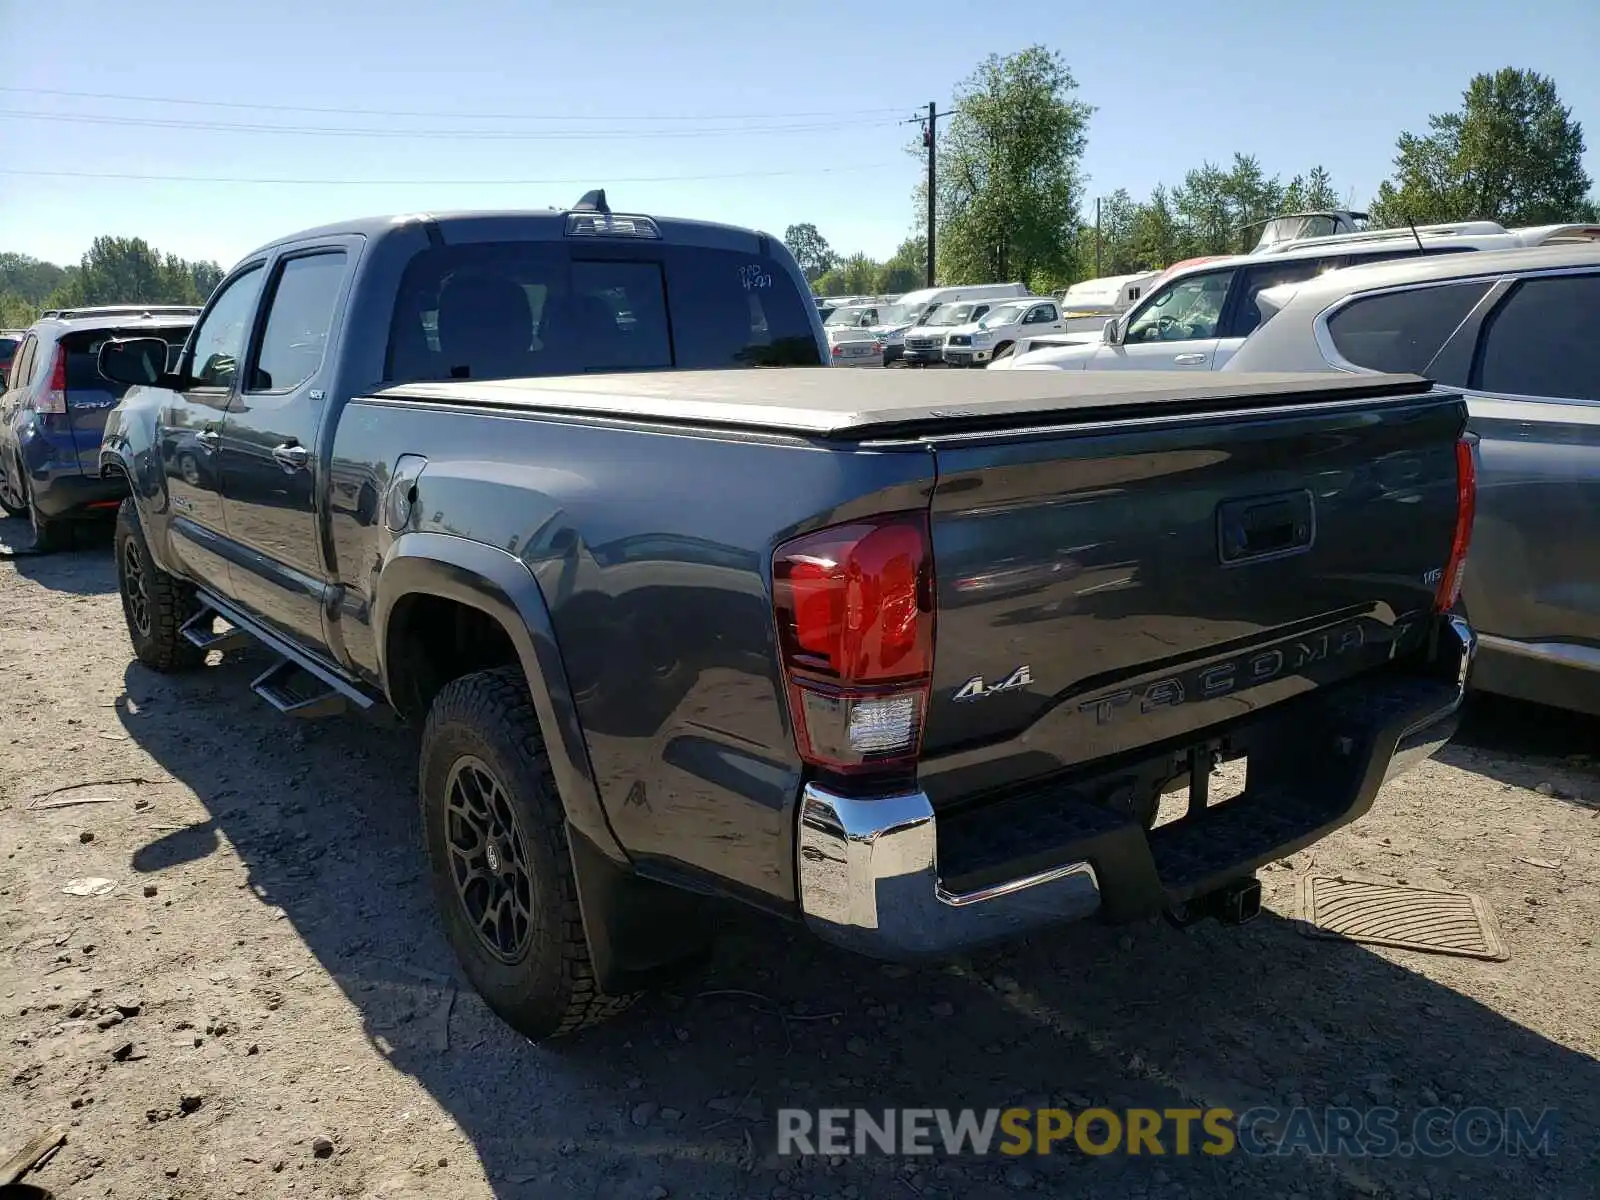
{"x": 1188, "y": 360}
{"x": 291, "y": 455}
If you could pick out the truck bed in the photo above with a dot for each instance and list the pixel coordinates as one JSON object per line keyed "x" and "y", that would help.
{"x": 860, "y": 405}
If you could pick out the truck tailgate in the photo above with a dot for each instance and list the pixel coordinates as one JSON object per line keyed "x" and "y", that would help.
{"x": 1116, "y": 586}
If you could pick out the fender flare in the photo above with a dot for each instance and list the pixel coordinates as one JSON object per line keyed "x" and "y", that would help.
{"x": 500, "y": 585}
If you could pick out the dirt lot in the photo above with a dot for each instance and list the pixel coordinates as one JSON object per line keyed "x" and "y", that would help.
{"x": 269, "y": 951}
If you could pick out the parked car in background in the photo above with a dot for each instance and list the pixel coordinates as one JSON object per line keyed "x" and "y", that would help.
{"x": 54, "y": 410}
{"x": 912, "y": 309}
{"x": 992, "y": 334}
{"x": 1514, "y": 330}
{"x": 1199, "y": 315}
{"x": 849, "y": 318}
{"x": 855, "y": 348}
{"x": 10, "y": 341}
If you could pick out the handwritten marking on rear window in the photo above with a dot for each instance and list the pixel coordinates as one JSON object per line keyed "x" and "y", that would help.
{"x": 755, "y": 276}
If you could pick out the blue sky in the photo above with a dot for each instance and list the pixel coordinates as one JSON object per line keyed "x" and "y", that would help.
{"x": 757, "y": 114}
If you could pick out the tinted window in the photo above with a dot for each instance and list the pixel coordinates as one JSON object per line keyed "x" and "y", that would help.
{"x": 22, "y": 364}
{"x": 219, "y": 341}
{"x": 1248, "y": 315}
{"x": 298, "y": 321}
{"x": 1540, "y": 341}
{"x": 1400, "y": 332}
{"x": 515, "y": 309}
{"x": 8, "y": 350}
{"x": 1184, "y": 310}
{"x": 83, "y": 359}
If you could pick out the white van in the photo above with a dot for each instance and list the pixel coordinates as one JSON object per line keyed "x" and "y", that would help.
{"x": 894, "y": 320}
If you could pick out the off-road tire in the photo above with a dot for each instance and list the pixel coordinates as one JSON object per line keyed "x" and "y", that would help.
{"x": 549, "y": 990}
{"x": 158, "y": 642}
{"x": 1003, "y": 350}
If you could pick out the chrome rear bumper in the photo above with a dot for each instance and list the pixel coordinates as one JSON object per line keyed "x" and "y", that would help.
{"x": 869, "y": 881}
{"x": 869, "y": 868}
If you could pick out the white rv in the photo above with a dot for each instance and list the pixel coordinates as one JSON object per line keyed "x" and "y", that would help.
{"x": 1087, "y": 304}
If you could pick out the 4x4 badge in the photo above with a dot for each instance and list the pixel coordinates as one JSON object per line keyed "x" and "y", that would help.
{"x": 974, "y": 688}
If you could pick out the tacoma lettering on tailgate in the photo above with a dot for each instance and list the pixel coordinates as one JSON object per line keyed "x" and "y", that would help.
{"x": 1232, "y": 675}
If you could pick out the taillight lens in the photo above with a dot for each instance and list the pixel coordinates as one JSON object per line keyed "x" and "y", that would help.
{"x": 1466, "y": 508}
{"x": 854, "y": 607}
{"x": 53, "y": 399}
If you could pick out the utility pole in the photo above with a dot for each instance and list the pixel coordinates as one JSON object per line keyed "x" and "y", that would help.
{"x": 1097, "y": 237}
{"x": 929, "y": 139}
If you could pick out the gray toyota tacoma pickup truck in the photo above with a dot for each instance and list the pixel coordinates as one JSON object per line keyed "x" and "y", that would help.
{"x": 909, "y": 658}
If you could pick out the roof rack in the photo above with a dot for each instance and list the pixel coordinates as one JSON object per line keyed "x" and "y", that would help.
{"x": 1547, "y": 235}
{"x": 1407, "y": 232}
{"x": 123, "y": 310}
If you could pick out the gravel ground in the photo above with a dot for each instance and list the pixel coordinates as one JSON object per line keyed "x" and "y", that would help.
{"x": 263, "y": 1004}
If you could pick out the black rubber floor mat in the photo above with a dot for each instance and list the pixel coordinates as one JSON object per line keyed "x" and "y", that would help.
{"x": 1406, "y": 918}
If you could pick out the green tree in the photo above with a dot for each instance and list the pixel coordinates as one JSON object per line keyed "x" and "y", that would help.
{"x": 810, "y": 250}
{"x": 127, "y": 270}
{"x": 1512, "y": 154}
{"x": 907, "y": 268}
{"x": 205, "y": 275}
{"x": 29, "y": 279}
{"x": 1010, "y": 176}
{"x": 1158, "y": 238}
{"x": 855, "y": 275}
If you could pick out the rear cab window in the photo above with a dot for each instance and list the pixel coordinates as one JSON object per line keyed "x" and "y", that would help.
{"x": 1400, "y": 332}
{"x": 511, "y": 310}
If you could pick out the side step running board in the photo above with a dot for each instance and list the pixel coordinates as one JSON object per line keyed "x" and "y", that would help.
{"x": 296, "y": 692}
{"x": 296, "y": 685}
{"x": 199, "y": 632}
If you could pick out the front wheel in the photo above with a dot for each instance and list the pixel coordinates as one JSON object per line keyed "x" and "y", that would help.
{"x": 155, "y": 604}
{"x": 496, "y": 838}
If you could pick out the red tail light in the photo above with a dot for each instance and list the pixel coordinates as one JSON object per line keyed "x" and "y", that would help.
{"x": 1466, "y": 508}
{"x": 54, "y": 398}
{"x": 854, "y": 607}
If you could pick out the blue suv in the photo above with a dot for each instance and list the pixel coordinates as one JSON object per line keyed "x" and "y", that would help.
{"x": 54, "y": 408}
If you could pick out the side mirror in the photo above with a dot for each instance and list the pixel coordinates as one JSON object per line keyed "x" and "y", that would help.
{"x": 134, "y": 361}
{"x": 1111, "y": 335}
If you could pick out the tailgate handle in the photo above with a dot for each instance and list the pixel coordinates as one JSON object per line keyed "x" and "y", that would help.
{"x": 1264, "y": 527}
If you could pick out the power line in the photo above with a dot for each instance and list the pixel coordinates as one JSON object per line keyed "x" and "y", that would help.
{"x": 380, "y": 112}
{"x": 442, "y": 182}
{"x": 426, "y": 134}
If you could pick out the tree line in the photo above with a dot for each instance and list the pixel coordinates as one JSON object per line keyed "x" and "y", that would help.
{"x": 115, "y": 270}
{"x": 1012, "y": 201}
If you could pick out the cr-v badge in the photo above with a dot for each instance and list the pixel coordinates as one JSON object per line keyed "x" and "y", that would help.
{"x": 975, "y": 689}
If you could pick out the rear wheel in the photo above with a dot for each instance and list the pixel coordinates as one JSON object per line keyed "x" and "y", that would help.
{"x": 13, "y": 501}
{"x": 154, "y": 603}
{"x": 49, "y": 533}
{"x": 496, "y": 837}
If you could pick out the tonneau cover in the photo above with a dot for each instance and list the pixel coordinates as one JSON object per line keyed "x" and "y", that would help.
{"x": 852, "y": 405}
